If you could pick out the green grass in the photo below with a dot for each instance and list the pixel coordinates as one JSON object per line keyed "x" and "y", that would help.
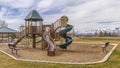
{"x": 113, "y": 62}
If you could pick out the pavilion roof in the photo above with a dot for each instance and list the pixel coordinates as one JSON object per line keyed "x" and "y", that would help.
{"x": 4, "y": 29}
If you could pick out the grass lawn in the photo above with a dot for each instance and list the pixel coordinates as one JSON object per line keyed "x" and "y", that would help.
{"x": 113, "y": 62}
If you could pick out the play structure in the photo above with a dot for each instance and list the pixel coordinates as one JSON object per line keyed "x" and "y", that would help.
{"x": 34, "y": 27}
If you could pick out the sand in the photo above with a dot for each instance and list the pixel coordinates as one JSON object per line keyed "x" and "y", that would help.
{"x": 76, "y": 52}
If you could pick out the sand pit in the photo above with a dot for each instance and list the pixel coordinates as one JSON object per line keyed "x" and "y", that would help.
{"x": 75, "y": 53}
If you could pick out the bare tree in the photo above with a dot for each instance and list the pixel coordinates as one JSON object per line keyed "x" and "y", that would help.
{"x": 3, "y": 24}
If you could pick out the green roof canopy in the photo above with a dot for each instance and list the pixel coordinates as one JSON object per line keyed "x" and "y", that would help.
{"x": 4, "y": 29}
{"x": 34, "y": 16}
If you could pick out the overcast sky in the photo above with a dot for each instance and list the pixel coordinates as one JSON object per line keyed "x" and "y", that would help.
{"x": 84, "y": 15}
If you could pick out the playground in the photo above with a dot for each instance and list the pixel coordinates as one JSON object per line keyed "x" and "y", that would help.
{"x": 75, "y": 53}
{"x": 113, "y": 61}
{"x": 54, "y": 43}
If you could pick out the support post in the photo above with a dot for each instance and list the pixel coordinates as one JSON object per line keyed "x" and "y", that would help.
{"x": 34, "y": 41}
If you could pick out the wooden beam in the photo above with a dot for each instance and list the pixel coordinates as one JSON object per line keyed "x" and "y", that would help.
{"x": 34, "y": 40}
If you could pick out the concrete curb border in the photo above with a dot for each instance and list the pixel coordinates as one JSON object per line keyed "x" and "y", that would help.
{"x": 101, "y": 61}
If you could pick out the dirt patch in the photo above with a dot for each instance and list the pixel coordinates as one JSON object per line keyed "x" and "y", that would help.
{"x": 76, "y": 52}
